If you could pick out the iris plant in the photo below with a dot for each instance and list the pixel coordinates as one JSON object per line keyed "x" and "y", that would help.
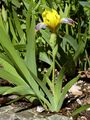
{"x": 52, "y": 20}
{"x": 48, "y": 91}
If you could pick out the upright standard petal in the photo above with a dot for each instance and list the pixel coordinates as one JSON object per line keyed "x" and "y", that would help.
{"x": 51, "y": 18}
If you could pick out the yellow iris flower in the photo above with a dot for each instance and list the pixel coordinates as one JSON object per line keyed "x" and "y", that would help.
{"x": 51, "y": 19}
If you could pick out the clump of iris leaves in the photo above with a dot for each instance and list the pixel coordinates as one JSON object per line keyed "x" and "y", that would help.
{"x": 24, "y": 54}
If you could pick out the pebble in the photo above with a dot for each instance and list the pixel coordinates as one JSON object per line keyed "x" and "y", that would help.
{"x": 40, "y": 109}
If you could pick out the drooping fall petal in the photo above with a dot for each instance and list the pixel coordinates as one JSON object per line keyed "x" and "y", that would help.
{"x": 40, "y": 26}
{"x": 68, "y": 21}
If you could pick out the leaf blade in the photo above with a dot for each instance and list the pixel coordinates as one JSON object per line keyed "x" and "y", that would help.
{"x": 30, "y": 48}
{"x": 79, "y": 110}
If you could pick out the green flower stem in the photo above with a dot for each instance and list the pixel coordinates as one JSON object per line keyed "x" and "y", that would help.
{"x": 53, "y": 40}
{"x": 54, "y": 51}
{"x": 54, "y": 47}
{"x": 67, "y": 29}
{"x": 53, "y": 74}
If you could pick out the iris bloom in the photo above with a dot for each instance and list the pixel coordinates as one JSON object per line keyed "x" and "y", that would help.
{"x": 52, "y": 20}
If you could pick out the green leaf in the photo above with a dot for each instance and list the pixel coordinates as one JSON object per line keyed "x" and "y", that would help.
{"x": 71, "y": 41}
{"x": 4, "y": 89}
{"x": 58, "y": 88}
{"x": 37, "y": 5}
{"x": 16, "y": 3}
{"x": 12, "y": 30}
{"x": 27, "y": 3}
{"x": 48, "y": 81}
{"x": 5, "y": 57}
{"x": 16, "y": 60}
{"x": 67, "y": 61}
{"x": 2, "y": 23}
{"x": 20, "y": 65}
{"x": 43, "y": 87}
{"x": 20, "y": 47}
{"x": 85, "y": 3}
{"x": 55, "y": 50}
{"x": 43, "y": 57}
{"x": 28, "y": 16}
{"x": 6, "y": 75}
{"x": 21, "y": 90}
{"x": 65, "y": 13}
{"x": 79, "y": 110}
{"x": 70, "y": 65}
{"x": 9, "y": 68}
{"x": 46, "y": 35}
{"x": 58, "y": 85}
{"x": 30, "y": 57}
{"x": 64, "y": 92}
{"x": 18, "y": 26}
{"x": 49, "y": 70}
{"x": 4, "y": 14}
{"x": 63, "y": 56}
{"x": 81, "y": 48}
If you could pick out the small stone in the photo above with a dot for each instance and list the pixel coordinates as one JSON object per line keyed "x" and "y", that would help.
{"x": 68, "y": 108}
{"x": 58, "y": 117}
{"x": 12, "y": 96}
{"x": 88, "y": 100}
{"x": 75, "y": 90}
{"x": 79, "y": 101}
{"x": 80, "y": 81}
{"x": 83, "y": 118}
{"x": 88, "y": 109}
{"x": 40, "y": 109}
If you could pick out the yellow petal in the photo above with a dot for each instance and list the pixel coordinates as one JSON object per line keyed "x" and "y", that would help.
{"x": 51, "y": 19}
